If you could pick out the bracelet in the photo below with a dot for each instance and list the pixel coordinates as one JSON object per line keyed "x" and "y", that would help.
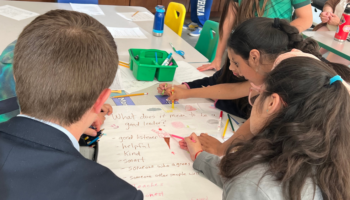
{"x": 195, "y": 156}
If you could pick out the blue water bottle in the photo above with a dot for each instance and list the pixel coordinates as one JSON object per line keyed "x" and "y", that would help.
{"x": 158, "y": 26}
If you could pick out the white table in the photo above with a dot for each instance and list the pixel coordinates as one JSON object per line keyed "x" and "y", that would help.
{"x": 326, "y": 40}
{"x": 10, "y": 29}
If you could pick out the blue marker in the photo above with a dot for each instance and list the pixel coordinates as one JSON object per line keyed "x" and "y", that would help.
{"x": 156, "y": 58}
{"x": 96, "y": 139}
{"x": 234, "y": 120}
{"x": 167, "y": 59}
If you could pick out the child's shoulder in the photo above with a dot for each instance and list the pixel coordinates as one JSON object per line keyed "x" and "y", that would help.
{"x": 255, "y": 180}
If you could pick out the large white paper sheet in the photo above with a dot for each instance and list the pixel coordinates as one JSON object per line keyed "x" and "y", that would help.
{"x": 89, "y": 9}
{"x": 127, "y": 33}
{"x": 16, "y": 13}
{"x": 186, "y": 73}
{"x": 140, "y": 16}
{"x": 129, "y": 82}
{"x": 135, "y": 150}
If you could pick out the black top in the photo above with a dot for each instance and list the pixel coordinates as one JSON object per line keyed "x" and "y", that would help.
{"x": 239, "y": 107}
{"x": 38, "y": 161}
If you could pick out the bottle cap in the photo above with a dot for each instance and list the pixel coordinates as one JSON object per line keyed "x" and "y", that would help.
{"x": 347, "y": 9}
{"x": 160, "y": 8}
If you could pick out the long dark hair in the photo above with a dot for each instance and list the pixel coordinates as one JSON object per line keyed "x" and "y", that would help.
{"x": 260, "y": 33}
{"x": 244, "y": 11}
{"x": 308, "y": 138}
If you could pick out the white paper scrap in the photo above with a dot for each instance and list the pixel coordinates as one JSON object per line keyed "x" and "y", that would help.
{"x": 129, "y": 82}
{"x": 89, "y": 9}
{"x": 16, "y": 13}
{"x": 186, "y": 73}
{"x": 126, "y": 33}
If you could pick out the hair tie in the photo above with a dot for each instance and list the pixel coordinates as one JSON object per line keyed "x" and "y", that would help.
{"x": 276, "y": 23}
{"x": 334, "y": 79}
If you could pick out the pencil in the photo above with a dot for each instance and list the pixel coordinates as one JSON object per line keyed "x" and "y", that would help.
{"x": 135, "y": 13}
{"x": 233, "y": 129}
{"x": 234, "y": 120}
{"x": 130, "y": 95}
{"x": 121, "y": 64}
{"x": 172, "y": 102}
{"x": 116, "y": 91}
{"x": 223, "y": 134}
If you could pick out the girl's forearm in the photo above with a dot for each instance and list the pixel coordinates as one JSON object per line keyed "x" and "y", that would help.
{"x": 227, "y": 29}
{"x": 221, "y": 91}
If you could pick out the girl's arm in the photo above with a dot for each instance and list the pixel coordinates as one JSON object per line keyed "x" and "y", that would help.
{"x": 221, "y": 91}
{"x": 213, "y": 146}
{"x": 227, "y": 29}
{"x": 303, "y": 19}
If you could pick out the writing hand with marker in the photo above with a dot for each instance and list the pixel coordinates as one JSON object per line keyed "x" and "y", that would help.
{"x": 105, "y": 110}
{"x": 165, "y": 89}
{"x": 192, "y": 145}
{"x": 179, "y": 93}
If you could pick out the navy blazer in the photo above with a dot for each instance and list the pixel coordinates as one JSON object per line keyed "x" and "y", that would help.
{"x": 39, "y": 162}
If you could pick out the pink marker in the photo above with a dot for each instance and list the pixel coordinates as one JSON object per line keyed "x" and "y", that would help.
{"x": 176, "y": 136}
{"x": 220, "y": 119}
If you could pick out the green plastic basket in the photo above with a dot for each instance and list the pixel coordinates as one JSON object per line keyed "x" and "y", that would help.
{"x": 146, "y": 67}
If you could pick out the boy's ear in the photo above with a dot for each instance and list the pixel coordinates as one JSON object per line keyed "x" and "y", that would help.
{"x": 101, "y": 100}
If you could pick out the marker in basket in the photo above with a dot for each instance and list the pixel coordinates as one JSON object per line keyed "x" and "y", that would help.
{"x": 167, "y": 59}
{"x": 167, "y": 63}
{"x": 156, "y": 58}
{"x": 220, "y": 119}
{"x": 171, "y": 64}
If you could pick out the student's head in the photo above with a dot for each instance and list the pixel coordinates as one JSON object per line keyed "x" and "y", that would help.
{"x": 64, "y": 62}
{"x": 301, "y": 123}
{"x": 256, "y": 43}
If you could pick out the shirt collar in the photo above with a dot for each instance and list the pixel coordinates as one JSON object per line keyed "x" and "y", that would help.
{"x": 65, "y": 131}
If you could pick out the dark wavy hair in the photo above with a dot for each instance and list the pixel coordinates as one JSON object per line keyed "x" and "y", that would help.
{"x": 259, "y": 33}
{"x": 307, "y": 138}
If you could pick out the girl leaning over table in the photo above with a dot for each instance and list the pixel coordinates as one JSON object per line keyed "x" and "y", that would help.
{"x": 300, "y": 146}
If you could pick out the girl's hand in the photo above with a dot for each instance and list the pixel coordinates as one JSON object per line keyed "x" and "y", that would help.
{"x": 325, "y": 16}
{"x": 107, "y": 109}
{"x": 166, "y": 89}
{"x": 216, "y": 64}
{"x": 192, "y": 147}
{"x": 211, "y": 144}
{"x": 179, "y": 93}
{"x": 334, "y": 20}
